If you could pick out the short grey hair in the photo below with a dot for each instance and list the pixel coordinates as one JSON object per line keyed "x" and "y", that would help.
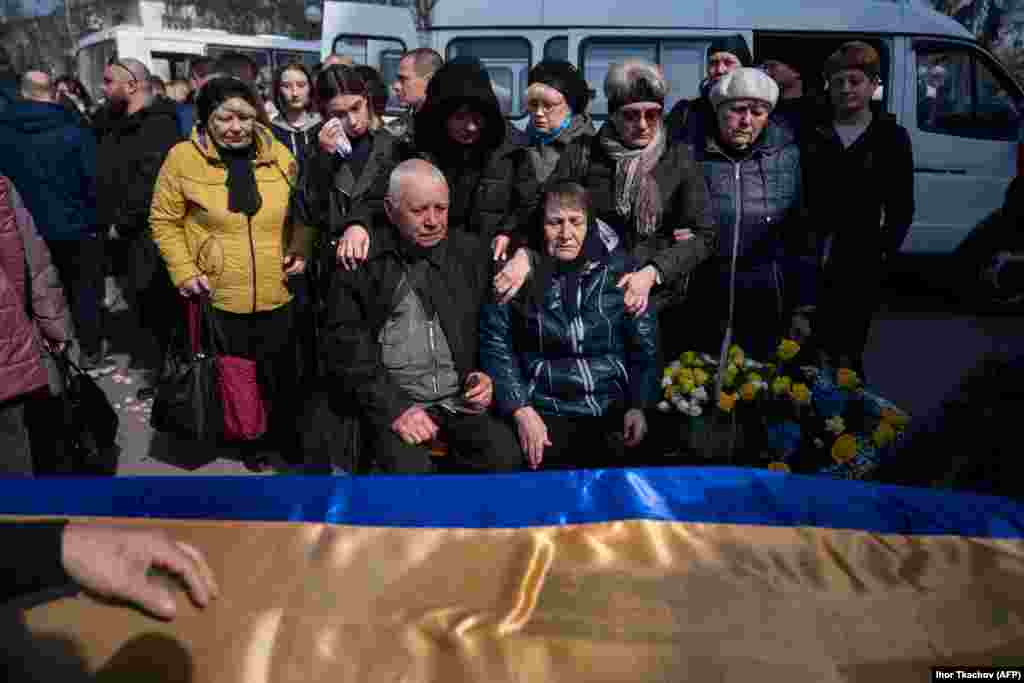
{"x": 634, "y": 80}
{"x": 409, "y": 168}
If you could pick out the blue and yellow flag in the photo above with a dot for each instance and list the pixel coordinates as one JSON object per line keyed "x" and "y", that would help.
{"x": 606, "y": 576}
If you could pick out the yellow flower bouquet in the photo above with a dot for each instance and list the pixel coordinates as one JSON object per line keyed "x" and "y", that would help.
{"x": 794, "y": 415}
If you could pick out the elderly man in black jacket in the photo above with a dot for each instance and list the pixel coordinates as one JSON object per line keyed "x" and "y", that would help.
{"x": 401, "y": 335}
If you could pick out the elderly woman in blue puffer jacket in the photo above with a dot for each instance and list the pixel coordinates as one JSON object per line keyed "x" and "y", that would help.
{"x": 570, "y": 365}
{"x": 763, "y": 280}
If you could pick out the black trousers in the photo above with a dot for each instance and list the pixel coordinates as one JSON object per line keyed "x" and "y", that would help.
{"x": 851, "y": 295}
{"x": 477, "y": 443}
{"x": 584, "y": 442}
{"x": 151, "y": 297}
{"x": 81, "y": 265}
{"x": 15, "y": 448}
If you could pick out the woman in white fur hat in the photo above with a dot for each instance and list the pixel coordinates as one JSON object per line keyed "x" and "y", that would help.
{"x": 764, "y": 267}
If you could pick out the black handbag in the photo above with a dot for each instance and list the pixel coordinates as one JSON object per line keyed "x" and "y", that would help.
{"x": 187, "y": 402}
{"x": 90, "y": 422}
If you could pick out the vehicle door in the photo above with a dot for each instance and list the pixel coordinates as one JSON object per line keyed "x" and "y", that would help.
{"x": 962, "y": 110}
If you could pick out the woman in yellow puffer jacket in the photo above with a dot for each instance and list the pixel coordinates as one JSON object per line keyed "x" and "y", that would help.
{"x": 222, "y": 218}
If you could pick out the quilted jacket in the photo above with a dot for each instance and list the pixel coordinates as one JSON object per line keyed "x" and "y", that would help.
{"x": 582, "y": 366}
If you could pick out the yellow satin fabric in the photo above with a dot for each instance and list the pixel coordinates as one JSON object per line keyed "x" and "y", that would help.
{"x": 610, "y": 602}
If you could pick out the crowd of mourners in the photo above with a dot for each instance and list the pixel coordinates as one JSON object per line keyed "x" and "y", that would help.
{"x": 442, "y": 286}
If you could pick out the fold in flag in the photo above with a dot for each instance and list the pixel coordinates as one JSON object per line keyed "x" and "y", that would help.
{"x": 601, "y": 575}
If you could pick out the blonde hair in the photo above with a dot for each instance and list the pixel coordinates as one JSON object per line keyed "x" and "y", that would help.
{"x": 537, "y": 89}
{"x": 178, "y": 90}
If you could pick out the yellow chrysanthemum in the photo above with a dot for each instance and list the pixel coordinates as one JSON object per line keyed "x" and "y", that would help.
{"x": 748, "y": 392}
{"x": 726, "y": 401}
{"x": 688, "y": 387}
{"x": 800, "y": 393}
{"x": 668, "y": 372}
{"x": 691, "y": 359}
{"x": 684, "y": 375}
{"x": 884, "y": 434}
{"x": 844, "y": 449}
{"x": 736, "y": 355}
{"x": 847, "y": 379}
{"x": 700, "y": 377}
{"x": 754, "y": 377}
{"x": 897, "y": 418}
{"x": 788, "y": 349}
{"x": 781, "y": 385}
{"x": 671, "y": 391}
{"x": 778, "y": 467}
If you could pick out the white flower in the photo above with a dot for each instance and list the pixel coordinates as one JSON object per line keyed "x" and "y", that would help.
{"x": 675, "y": 365}
{"x": 708, "y": 359}
{"x": 666, "y": 381}
{"x": 682, "y": 405}
{"x": 835, "y": 425}
{"x": 818, "y": 443}
{"x": 749, "y": 364}
{"x": 762, "y": 384}
{"x": 700, "y": 394}
{"x": 665, "y": 407}
{"x": 695, "y": 410}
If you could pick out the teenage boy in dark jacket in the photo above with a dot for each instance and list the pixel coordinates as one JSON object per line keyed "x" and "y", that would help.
{"x": 861, "y": 186}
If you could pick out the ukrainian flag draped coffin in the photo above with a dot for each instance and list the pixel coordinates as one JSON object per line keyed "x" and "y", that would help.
{"x": 619, "y": 575}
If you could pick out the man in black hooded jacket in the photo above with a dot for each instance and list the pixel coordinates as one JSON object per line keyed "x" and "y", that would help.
{"x": 461, "y": 130}
{"x": 135, "y": 131}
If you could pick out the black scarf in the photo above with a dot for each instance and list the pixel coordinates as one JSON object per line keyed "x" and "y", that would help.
{"x": 243, "y": 193}
{"x": 569, "y": 273}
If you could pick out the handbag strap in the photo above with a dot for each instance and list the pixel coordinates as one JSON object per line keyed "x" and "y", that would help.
{"x": 201, "y": 330}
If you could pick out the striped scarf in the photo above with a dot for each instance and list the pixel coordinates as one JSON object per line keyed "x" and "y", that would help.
{"x": 636, "y": 192}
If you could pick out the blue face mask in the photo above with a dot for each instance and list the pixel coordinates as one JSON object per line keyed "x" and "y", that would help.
{"x": 542, "y": 138}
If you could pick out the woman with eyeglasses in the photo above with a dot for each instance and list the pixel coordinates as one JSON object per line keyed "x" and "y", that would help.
{"x": 651, "y": 193}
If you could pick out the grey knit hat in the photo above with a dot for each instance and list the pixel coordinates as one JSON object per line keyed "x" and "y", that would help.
{"x": 744, "y": 84}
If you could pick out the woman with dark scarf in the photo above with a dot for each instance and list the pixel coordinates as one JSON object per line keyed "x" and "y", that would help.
{"x": 652, "y": 194}
{"x": 222, "y": 218}
{"x": 571, "y": 367}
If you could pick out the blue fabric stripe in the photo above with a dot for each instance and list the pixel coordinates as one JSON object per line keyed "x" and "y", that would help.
{"x": 715, "y": 495}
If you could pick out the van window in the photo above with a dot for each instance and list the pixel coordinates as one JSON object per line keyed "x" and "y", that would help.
{"x": 557, "y": 49}
{"x": 681, "y": 60}
{"x": 507, "y": 61}
{"x": 369, "y": 50}
{"x": 960, "y": 93}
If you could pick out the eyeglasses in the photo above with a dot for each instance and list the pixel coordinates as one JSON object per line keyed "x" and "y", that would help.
{"x": 536, "y": 105}
{"x": 650, "y": 116}
{"x": 113, "y": 61}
